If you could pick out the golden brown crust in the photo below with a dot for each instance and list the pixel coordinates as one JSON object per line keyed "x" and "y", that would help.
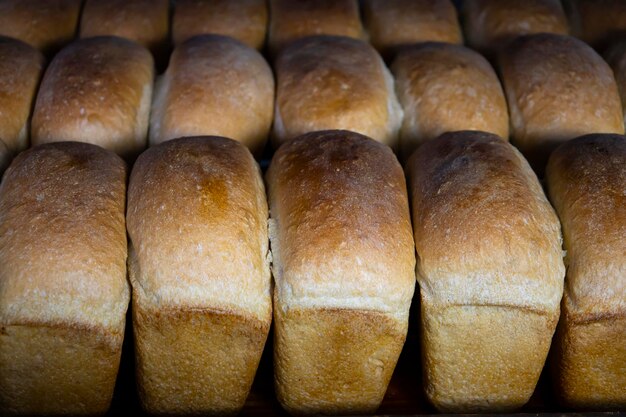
{"x": 483, "y": 358}
{"x": 392, "y": 24}
{"x": 294, "y": 19}
{"x": 21, "y": 67}
{"x": 446, "y": 88}
{"x": 342, "y": 253}
{"x": 334, "y": 361}
{"x": 244, "y": 20}
{"x": 63, "y": 287}
{"x": 96, "y": 90}
{"x": 195, "y": 361}
{"x": 57, "y": 370}
{"x": 587, "y": 178}
{"x": 597, "y": 22}
{"x": 332, "y": 82}
{"x": 557, "y": 88}
{"x": 143, "y": 21}
{"x": 491, "y": 24}
{"x": 589, "y": 363}
{"x": 45, "y": 24}
{"x": 490, "y": 269}
{"x": 214, "y": 85}
{"x": 197, "y": 220}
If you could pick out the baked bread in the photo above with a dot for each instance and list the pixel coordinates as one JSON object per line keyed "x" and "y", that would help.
{"x": 343, "y": 265}
{"x": 332, "y": 82}
{"x": 616, "y": 57}
{"x": 587, "y": 181}
{"x": 491, "y": 24}
{"x": 557, "y": 88}
{"x": 490, "y": 271}
{"x": 597, "y": 22}
{"x": 294, "y": 19}
{"x": 214, "y": 85}
{"x": 443, "y": 88}
{"x": 244, "y": 20}
{"x": 199, "y": 267}
{"x": 21, "y": 67}
{"x": 143, "y": 21}
{"x": 44, "y": 24}
{"x": 96, "y": 90}
{"x": 63, "y": 287}
{"x": 392, "y": 24}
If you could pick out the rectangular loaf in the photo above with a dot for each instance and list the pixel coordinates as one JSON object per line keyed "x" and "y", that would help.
{"x": 63, "y": 287}
{"x": 490, "y": 270}
{"x": 96, "y": 90}
{"x": 587, "y": 184}
{"x": 199, "y": 267}
{"x": 343, "y": 260}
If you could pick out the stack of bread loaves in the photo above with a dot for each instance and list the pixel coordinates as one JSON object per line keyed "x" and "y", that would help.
{"x": 236, "y": 171}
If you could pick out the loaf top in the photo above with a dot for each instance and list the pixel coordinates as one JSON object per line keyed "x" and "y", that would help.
{"x": 587, "y": 183}
{"x": 21, "y": 67}
{"x": 63, "y": 238}
{"x": 491, "y": 24}
{"x": 340, "y": 227}
{"x": 197, "y": 220}
{"x": 445, "y": 87}
{"x": 295, "y": 19}
{"x": 143, "y": 21}
{"x": 558, "y": 88}
{"x": 44, "y": 24}
{"x": 96, "y": 90}
{"x": 244, "y": 20}
{"x": 484, "y": 231}
{"x": 214, "y": 83}
{"x": 393, "y": 23}
{"x": 334, "y": 82}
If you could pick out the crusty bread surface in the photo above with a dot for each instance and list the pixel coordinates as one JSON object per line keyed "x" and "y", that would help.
{"x": 490, "y": 271}
{"x": 199, "y": 267}
{"x": 63, "y": 287}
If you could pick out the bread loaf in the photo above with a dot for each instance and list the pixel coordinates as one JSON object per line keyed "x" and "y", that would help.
{"x": 143, "y": 21}
{"x": 490, "y": 271}
{"x": 491, "y": 24}
{"x": 557, "y": 88}
{"x": 244, "y": 20}
{"x": 63, "y": 288}
{"x": 96, "y": 90}
{"x": 392, "y": 24}
{"x": 597, "y": 22}
{"x": 214, "y": 85}
{"x": 44, "y": 24}
{"x": 331, "y": 82}
{"x": 343, "y": 265}
{"x": 443, "y": 88}
{"x": 294, "y": 19}
{"x": 587, "y": 183}
{"x": 21, "y": 67}
{"x": 199, "y": 267}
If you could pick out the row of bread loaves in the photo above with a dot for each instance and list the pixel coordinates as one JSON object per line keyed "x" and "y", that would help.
{"x": 100, "y": 90}
{"x": 490, "y": 271}
{"x": 388, "y": 24}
